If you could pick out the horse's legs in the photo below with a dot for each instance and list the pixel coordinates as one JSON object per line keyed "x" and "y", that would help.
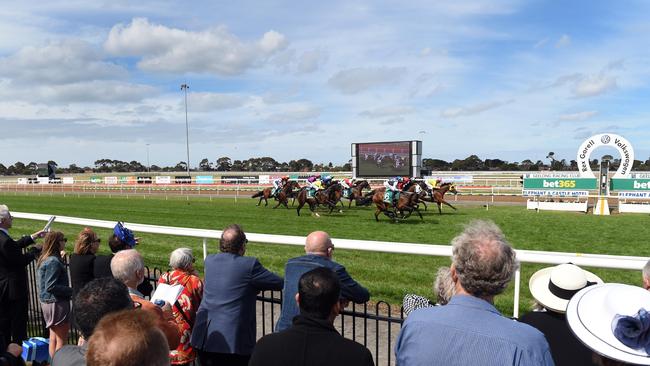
{"x": 260, "y": 202}
{"x": 439, "y": 208}
{"x": 448, "y": 204}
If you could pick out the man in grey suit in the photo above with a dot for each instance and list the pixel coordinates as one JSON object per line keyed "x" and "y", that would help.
{"x": 225, "y": 327}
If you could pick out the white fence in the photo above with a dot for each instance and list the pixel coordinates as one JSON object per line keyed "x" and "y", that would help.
{"x": 524, "y": 256}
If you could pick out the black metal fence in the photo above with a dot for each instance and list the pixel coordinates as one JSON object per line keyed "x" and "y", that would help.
{"x": 375, "y": 325}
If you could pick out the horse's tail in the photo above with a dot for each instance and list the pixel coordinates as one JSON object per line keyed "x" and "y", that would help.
{"x": 258, "y": 194}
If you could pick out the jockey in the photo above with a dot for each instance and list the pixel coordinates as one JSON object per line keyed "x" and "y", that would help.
{"x": 347, "y": 183}
{"x": 394, "y": 185}
{"x": 279, "y": 183}
{"x": 327, "y": 180}
{"x": 405, "y": 181}
{"x": 433, "y": 184}
{"x": 311, "y": 180}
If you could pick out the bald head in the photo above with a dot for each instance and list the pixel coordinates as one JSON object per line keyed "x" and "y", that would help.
{"x": 127, "y": 266}
{"x": 233, "y": 240}
{"x": 319, "y": 243}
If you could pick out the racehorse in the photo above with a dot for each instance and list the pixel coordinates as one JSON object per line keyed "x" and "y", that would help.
{"x": 438, "y": 195}
{"x": 281, "y": 197}
{"x": 407, "y": 202}
{"x": 329, "y": 196}
{"x": 356, "y": 193}
{"x": 420, "y": 189}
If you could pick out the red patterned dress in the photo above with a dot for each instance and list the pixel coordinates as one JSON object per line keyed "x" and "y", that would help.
{"x": 189, "y": 302}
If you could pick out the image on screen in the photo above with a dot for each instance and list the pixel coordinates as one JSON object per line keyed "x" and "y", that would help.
{"x": 382, "y": 159}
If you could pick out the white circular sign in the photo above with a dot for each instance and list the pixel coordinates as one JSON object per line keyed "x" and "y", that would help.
{"x": 605, "y": 139}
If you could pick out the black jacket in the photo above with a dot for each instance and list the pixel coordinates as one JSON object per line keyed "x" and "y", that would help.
{"x": 81, "y": 270}
{"x": 13, "y": 274}
{"x": 309, "y": 342}
{"x": 566, "y": 349}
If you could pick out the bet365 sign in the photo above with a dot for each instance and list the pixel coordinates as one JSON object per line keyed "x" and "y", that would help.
{"x": 560, "y": 183}
{"x": 630, "y": 184}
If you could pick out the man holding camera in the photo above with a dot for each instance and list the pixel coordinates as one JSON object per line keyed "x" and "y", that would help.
{"x": 14, "y": 289}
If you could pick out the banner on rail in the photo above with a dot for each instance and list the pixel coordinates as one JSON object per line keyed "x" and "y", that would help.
{"x": 204, "y": 179}
{"x": 630, "y": 184}
{"x": 68, "y": 180}
{"x": 163, "y": 180}
{"x": 633, "y": 195}
{"x": 22, "y": 181}
{"x": 110, "y": 180}
{"x": 452, "y": 178}
{"x": 549, "y": 192}
{"x": 560, "y": 183}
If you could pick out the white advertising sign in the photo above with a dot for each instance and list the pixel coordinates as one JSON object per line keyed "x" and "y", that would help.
{"x": 43, "y": 180}
{"x": 67, "y": 180}
{"x": 452, "y": 178}
{"x": 164, "y": 180}
{"x": 605, "y": 139}
{"x": 22, "y": 180}
{"x": 544, "y": 192}
{"x": 553, "y": 175}
{"x": 633, "y": 195}
{"x": 265, "y": 179}
{"x": 110, "y": 180}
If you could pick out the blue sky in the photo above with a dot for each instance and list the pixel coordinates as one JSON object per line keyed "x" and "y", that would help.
{"x": 84, "y": 80}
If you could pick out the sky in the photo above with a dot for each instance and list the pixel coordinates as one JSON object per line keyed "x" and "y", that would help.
{"x": 508, "y": 79}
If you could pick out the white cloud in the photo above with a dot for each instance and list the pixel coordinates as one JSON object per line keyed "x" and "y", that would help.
{"x": 215, "y": 50}
{"x": 579, "y": 116}
{"x": 295, "y": 113}
{"x": 382, "y": 112}
{"x": 311, "y": 61}
{"x": 591, "y": 86}
{"x": 475, "y": 109}
{"x": 206, "y": 102}
{"x": 541, "y": 43}
{"x": 564, "y": 41}
{"x": 60, "y": 62}
{"x": 352, "y": 81}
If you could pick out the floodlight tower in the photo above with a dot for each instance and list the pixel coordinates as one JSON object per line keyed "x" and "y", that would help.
{"x": 184, "y": 87}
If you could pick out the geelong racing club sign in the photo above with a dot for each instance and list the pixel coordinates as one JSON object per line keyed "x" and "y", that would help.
{"x": 605, "y": 139}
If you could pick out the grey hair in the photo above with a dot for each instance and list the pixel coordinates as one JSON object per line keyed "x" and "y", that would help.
{"x": 125, "y": 264}
{"x": 443, "y": 286}
{"x": 484, "y": 260}
{"x": 181, "y": 258}
{"x": 646, "y": 270}
{"x": 4, "y": 212}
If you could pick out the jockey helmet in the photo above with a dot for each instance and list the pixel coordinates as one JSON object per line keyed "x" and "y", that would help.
{"x": 285, "y": 177}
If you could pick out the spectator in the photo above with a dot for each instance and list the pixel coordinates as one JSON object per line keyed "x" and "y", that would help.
{"x": 83, "y": 259}
{"x": 470, "y": 330}
{"x": 98, "y": 298}
{"x": 12, "y": 356}
{"x": 128, "y": 338}
{"x": 14, "y": 290}
{"x": 646, "y": 276}
{"x": 54, "y": 291}
{"x": 319, "y": 251}
{"x": 312, "y": 340}
{"x": 127, "y": 266}
{"x": 225, "y": 327}
{"x": 184, "y": 274}
{"x": 443, "y": 288}
{"x": 611, "y": 319}
{"x": 552, "y": 288}
{"x": 102, "y": 267}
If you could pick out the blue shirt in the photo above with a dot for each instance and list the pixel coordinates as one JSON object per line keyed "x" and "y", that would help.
{"x": 296, "y": 267}
{"x": 468, "y": 331}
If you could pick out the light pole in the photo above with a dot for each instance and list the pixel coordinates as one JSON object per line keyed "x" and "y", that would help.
{"x": 184, "y": 87}
{"x": 148, "y": 165}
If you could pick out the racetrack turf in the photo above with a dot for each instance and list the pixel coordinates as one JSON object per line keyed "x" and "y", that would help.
{"x": 388, "y": 276}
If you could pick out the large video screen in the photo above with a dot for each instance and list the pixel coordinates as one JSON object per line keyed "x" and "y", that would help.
{"x": 382, "y": 159}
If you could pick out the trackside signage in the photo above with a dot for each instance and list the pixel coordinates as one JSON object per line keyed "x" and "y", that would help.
{"x": 555, "y": 193}
{"x": 630, "y": 185}
{"x": 560, "y": 183}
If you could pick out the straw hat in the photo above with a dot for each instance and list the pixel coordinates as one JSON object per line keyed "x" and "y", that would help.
{"x": 591, "y": 312}
{"x": 553, "y": 287}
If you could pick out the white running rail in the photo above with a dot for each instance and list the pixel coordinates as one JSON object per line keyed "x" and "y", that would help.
{"x": 524, "y": 256}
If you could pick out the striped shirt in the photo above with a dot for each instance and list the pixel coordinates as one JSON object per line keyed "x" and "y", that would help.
{"x": 468, "y": 331}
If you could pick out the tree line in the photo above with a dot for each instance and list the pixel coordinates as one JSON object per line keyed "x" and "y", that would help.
{"x": 268, "y": 164}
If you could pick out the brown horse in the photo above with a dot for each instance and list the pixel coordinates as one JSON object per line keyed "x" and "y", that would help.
{"x": 420, "y": 189}
{"x": 281, "y": 197}
{"x": 408, "y": 202}
{"x": 329, "y": 197}
{"x": 356, "y": 193}
{"x": 437, "y": 195}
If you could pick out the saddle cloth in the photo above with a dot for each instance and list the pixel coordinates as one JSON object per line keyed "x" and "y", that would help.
{"x": 388, "y": 196}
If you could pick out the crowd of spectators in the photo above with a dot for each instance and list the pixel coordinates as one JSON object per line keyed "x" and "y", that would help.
{"x": 576, "y": 318}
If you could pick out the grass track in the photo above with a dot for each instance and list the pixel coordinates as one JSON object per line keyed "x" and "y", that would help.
{"x": 388, "y": 276}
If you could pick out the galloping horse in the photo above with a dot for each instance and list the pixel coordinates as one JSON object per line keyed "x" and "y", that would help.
{"x": 407, "y": 202}
{"x": 419, "y": 188}
{"x": 356, "y": 193}
{"x": 438, "y": 195}
{"x": 281, "y": 197}
{"x": 329, "y": 196}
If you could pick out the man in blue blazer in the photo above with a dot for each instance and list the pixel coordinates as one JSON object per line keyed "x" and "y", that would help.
{"x": 319, "y": 251}
{"x": 225, "y": 327}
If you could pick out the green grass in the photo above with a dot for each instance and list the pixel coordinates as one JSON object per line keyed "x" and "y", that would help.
{"x": 388, "y": 276}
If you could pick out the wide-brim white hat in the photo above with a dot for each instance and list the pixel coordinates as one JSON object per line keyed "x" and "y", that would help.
{"x": 590, "y": 314}
{"x": 553, "y": 287}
